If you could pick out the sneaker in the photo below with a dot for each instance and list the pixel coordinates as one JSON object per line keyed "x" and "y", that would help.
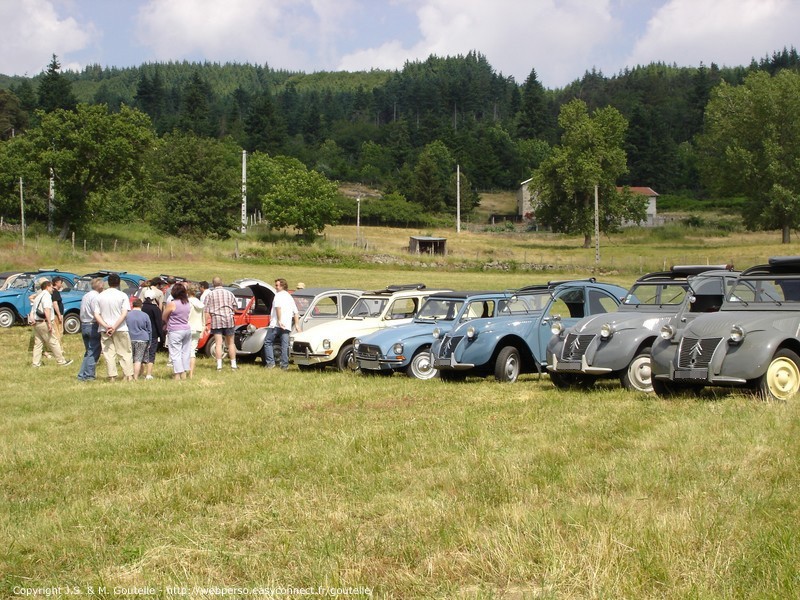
{"x": 66, "y": 363}
{"x": 234, "y": 367}
{"x": 37, "y": 365}
{"x": 148, "y": 377}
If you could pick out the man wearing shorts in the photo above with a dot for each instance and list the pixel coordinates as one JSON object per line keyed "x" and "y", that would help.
{"x": 220, "y": 305}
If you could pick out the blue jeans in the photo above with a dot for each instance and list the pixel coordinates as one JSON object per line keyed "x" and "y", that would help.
{"x": 269, "y": 347}
{"x": 91, "y": 343}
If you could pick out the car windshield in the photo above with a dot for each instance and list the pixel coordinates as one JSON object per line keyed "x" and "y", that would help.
{"x": 22, "y": 282}
{"x": 440, "y": 309}
{"x": 84, "y": 284}
{"x": 770, "y": 290}
{"x": 525, "y": 303}
{"x": 367, "y": 307}
{"x": 302, "y": 303}
{"x": 656, "y": 294}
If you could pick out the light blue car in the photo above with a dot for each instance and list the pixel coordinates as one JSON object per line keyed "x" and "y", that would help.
{"x": 514, "y": 340}
{"x": 407, "y": 347}
{"x": 15, "y": 301}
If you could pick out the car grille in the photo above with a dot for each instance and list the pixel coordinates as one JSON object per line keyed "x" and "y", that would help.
{"x": 696, "y": 353}
{"x": 301, "y": 347}
{"x": 449, "y": 345}
{"x": 575, "y": 346}
{"x": 368, "y": 352}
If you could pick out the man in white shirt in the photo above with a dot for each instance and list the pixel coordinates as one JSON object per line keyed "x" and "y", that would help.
{"x": 44, "y": 327}
{"x": 110, "y": 312}
{"x": 284, "y": 313}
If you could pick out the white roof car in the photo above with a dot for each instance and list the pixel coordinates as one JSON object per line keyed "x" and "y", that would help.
{"x": 332, "y": 343}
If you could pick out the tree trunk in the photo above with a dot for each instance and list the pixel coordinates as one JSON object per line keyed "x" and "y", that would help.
{"x": 587, "y": 240}
{"x": 785, "y": 234}
{"x": 62, "y": 235}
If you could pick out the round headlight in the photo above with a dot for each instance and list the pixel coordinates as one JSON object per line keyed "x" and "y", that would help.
{"x": 356, "y": 344}
{"x": 437, "y": 333}
{"x": 251, "y": 328}
{"x": 397, "y": 348}
{"x": 737, "y": 334}
{"x": 606, "y": 331}
{"x": 471, "y": 332}
{"x": 326, "y": 344}
{"x": 557, "y": 327}
{"x": 667, "y": 332}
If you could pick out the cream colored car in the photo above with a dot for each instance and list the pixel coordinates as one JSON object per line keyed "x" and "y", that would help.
{"x": 332, "y": 343}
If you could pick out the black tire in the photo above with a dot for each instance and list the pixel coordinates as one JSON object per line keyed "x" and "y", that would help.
{"x": 346, "y": 359}
{"x": 508, "y": 365}
{"x": 637, "y": 376}
{"x": 72, "y": 323}
{"x": 781, "y": 380}
{"x": 569, "y": 381}
{"x": 7, "y": 317}
{"x": 669, "y": 389}
{"x": 421, "y": 365}
{"x": 310, "y": 367}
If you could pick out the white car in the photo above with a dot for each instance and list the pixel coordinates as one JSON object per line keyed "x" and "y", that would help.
{"x": 332, "y": 343}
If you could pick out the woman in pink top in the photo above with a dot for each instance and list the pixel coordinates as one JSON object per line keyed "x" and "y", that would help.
{"x": 179, "y": 334}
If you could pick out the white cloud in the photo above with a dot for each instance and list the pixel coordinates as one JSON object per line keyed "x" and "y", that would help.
{"x": 559, "y": 38}
{"x": 33, "y": 32}
{"x": 726, "y": 32}
{"x": 287, "y": 34}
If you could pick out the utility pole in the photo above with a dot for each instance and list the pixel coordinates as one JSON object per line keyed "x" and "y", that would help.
{"x": 596, "y": 227}
{"x": 458, "y": 198}
{"x": 51, "y": 196}
{"x": 22, "y": 212}
{"x": 358, "y": 221}
{"x": 244, "y": 191}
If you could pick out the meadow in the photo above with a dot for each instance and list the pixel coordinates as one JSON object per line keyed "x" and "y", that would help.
{"x": 261, "y": 483}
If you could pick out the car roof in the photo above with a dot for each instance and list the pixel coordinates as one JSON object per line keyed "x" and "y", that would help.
{"x": 463, "y": 295}
{"x": 681, "y": 272}
{"x": 776, "y": 264}
{"x": 316, "y": 291}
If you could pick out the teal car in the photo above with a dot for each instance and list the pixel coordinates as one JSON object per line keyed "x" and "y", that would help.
{"x": 15, "y": 301}
{"x": 406, "y": 348}
{"x": 514, "y": 340}
{"x": 128, "y": 283}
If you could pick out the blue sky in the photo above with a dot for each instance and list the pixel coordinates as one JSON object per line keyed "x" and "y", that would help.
{"x": 561, "y": 39}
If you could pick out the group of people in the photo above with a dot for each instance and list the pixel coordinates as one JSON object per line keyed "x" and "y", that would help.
{"x": 130, "y": 332}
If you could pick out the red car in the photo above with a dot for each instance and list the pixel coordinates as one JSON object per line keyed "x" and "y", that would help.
{"x": 254, "y": 303}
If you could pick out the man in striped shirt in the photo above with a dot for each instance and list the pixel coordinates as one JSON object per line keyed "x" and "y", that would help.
{"x": 220, "y": 305}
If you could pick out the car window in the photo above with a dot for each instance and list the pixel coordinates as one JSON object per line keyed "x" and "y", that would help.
{"x": 600, "y": 302}
{"x": 22, "y": 282}
{"x": 440, "y": 309}
{"x": 480, "y": 309}
{"x": 347, "y": 303}
{"x": 326, "y": 307}
{"x": 657, "y": 294}
{"x": 402, "y": 308}
{"x": 568, "y": 304}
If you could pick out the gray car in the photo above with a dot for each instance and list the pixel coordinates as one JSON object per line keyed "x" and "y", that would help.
{"x": 617, "y": 345}
{"x": 752, "y": 342}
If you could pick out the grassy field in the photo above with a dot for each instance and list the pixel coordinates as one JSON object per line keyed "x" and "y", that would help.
{"x": 273, "y": 482}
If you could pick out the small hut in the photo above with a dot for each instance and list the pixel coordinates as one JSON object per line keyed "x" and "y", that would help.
{"x": 422, "y": 244}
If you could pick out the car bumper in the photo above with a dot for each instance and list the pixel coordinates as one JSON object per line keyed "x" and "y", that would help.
{"x": 581, "y": 366}
{"x": 309, "y": 359}
{"x": 451, "y": 363}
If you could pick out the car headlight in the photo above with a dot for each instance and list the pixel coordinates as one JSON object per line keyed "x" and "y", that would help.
{"x": 606, "y": 331}
{"x": 251, "y": 328}
{"x": 737, "y": 334}
{"x": 556, "y": 327}
{"x": 397, "y": 348}
{"x": 356, "y": 344}
{"x": 471, "y": 333}
{"x": 326, "y": 344}
{"x": 437, "y": 333}
{"x": 667, "y": 332}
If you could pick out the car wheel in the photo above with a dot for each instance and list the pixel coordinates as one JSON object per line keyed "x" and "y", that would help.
{"x": 781, "y": 381}
{"x": 346, "y": 360}
{"x": 72, "y": 323}
{"x": 638, "y": 376}
{"x": 452, "y": 376}
{"x": 421, "y": 365}
{"x": 507, "y": 365}
{"x": 314, "y": 367}
{"x": 670, "y": 389}
{"x": 567, "y": 381}
{"x": 7, "y": 317}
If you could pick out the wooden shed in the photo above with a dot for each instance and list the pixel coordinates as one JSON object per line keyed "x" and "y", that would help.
{"x": 421, "y": 244}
